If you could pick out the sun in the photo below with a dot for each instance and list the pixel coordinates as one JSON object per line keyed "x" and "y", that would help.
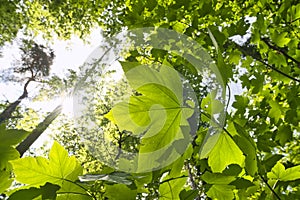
{"x": 67, "y": 106}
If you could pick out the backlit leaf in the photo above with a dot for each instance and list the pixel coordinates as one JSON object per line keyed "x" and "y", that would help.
{"x": 56, "y": 170}
{"x": 222, "y": 152}
{"x": 279, "y": 172}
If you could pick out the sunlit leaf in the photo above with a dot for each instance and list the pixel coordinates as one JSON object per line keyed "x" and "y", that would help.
{"x": 221, "y": 192}
{"x": 279, "y": 172}
{"x": 38, "y": 171}
{"x": 119, "y": 191}
{"x": 47, "y": 191}
{"x": 171, "y": 188}
{"x": 157, "y": 114}
{"x": 5, "y": 179}
{"x": 221, "y": 151}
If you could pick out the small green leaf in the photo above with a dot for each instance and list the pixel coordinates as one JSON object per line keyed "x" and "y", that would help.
{"x": 217, "y": 178}
{"x": 119, "y": 191}
{"x": 48, "y": 191}
{"x": 5, "y": 180}
{"x": 179, "y": 27}
{"x": 275, "y": 111}
{"x": 37, "y": 171}
{"x": 221, "y": 192}
{"x": 223, "y": 152}
{"x": 188, "y": 194}
{"x": 242, "y": 183}
{"x": 280, "y": 173}
{"x": 284, "y": 134}
{"x": 280, "y": 39}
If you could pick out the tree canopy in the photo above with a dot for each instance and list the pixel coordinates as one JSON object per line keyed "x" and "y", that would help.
{"x": 171, "y": 126}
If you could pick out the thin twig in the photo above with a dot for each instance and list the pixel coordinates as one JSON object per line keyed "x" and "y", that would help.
{"x": 272, "y": 190}
{"x": 217, "y": 123}
{"x": 192, "y": 180}
{"x": 266, "y": 41}
{"x": 294, "y": 20}
{"x": 280, "y": 72}
{"x": 174, "y": 178}
{"x": 258, "y": 58}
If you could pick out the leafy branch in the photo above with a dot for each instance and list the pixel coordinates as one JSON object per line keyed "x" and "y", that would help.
{"x": 267, "y": 42}
{"x": 252, "y": 52}
{"x": 277, "y": 70}
{"x": 294, "y": 20}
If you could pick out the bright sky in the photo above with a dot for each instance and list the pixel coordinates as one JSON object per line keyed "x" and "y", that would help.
{"x": 68, "y": 55}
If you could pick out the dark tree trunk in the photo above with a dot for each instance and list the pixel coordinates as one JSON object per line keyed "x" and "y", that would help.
{"x": 7, "y": 113}
{"x": 36, "y": 133}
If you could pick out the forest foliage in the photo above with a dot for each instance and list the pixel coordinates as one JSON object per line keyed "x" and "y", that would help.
{"x": 255, "y": 152}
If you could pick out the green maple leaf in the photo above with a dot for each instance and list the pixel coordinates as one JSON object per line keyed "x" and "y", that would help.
{"x": 280, "y": 173}
{"x": 221, "y": 192}
{"x": 158, "y": 114}
{"x": 39, "y": 170}
{"x": 222, "y": 151}
{"x": 59, "y": 169}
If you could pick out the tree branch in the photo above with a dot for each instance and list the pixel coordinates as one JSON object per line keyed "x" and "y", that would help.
{"x": 7, "y": 113}
{"x": 256, "y": 55}
{"x": 193, "y": 184}
{"x": 208, "y": 116}
{"x": 294, "y": 20}
{"x": 272, "y": 190}
{"x": 278, "y": 71}
{"x": 267, "y": 42}
{"x": 24, "y": 146}
{"x": 174, "y": 178}
{"x": 192, "y": 180}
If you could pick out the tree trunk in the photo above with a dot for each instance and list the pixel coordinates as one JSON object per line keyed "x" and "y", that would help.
{"x": 7, "y": 113}
{"x": 36, "y": 133}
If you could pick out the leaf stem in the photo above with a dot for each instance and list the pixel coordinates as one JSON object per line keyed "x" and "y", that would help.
{"x": 220, "y": 126}
{"x": 173, "y": 178}
{"x": 78, "y": 193}
{"x": 272, "y": 190}
{"x": 87, "y": 192}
